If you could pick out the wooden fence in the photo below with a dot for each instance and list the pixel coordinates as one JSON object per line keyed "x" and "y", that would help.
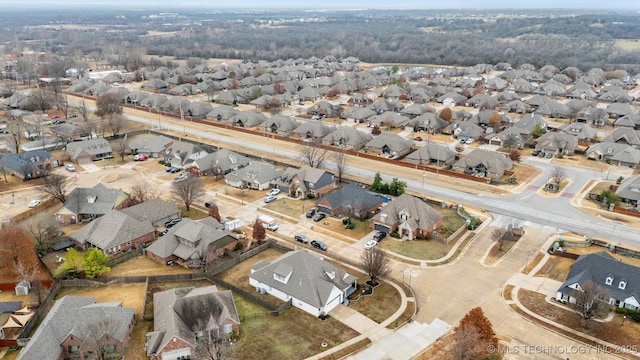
{"x": 565, "y": 254}
{"x": 45, "y": 204}
{"x": 621, "y": 210}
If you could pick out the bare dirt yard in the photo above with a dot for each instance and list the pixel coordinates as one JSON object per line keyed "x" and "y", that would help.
{"x": 142, "y": 266}
{"x": 131, "y": 295}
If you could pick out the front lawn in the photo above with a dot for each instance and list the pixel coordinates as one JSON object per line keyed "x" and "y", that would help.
{"x": 290, "y": 206}
{"x": 418, "y": 249}
{"x": 378, "y": 306}
{"x": 452, "y": 222}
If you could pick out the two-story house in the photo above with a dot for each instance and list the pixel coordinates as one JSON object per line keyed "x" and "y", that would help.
{"x": 305, "y": 182}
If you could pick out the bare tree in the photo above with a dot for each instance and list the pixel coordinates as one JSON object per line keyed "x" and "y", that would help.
{"x": 467, "y": 343}
{"x": 214, "y": 211}
{"x": 210, "y": 344}
{"x": 558, "y": 175}
{"x": 108, "y": 104}
{"x": 15, "y": 129}
{"x": 499, "y": 235}
{"x": 122, "y": 147}
{"x": 143, "y": 191}
{"x": 40, "y": 227}
{"x": 340, "y": 161}
{"x": 259, "y": 233}
{"x": 115, "y": 123}
{"x": 84, "y": 111}
{"x": 55, "y": 185}
{"x": 590, "y": 298}
{"x": 375, "y": 263}
{"x": 312, "y": 155}
{"x": 40, "y": 99}
{"x": 189, "y": 190}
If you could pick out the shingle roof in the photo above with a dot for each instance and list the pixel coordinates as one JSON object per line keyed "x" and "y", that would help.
{"x": 348, "y": 136}
{"x": 630, "y": 188}
{"x": 25, "y": 162}
{"x": 310, "y": 277}
{"x": 352, "y": 194}
{"x": 494, "y": 162}
{"x": 421, "y": 214}
{"x": 150, "y": 143}
{"x": 254, "y": 173}
{"x": 432, "y": 151}
{"x": 112, "y": 229}
{"x": 393, "y": 141}
{"x": 91, "y": 147}
{"x": 72, "y": 315}
{"x": 152, "y": 210}
{"x": 104, "y": 200}
{"x": 181, "y": 312}
{"x": 596, "y": 268}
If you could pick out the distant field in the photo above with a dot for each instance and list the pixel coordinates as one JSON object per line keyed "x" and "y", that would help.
{"x": 628, "y": 45}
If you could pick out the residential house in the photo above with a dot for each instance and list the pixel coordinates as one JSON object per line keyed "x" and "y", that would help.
{"x": 114, "y": 232}
{"x": 325, "y": 108}
{"x": 484, "y": 163}
{"x": 313, "y": 131}
{"x": 629, "y": 190}
{"x": 219, "y": 163}
{"x": 620, "y": 280}
{"x": 191, "y": 242}
{"x": 389, "y": 145}
{"x": 70, "y": 132}
{"x": 151, "y": 145}
{"x": 183, "y": 154}
{"x": 222, "y": 113}
{"x": 79, "y": 327}
{"x": 348, "y": 138}
{"x": 624, "y": 135}
{"x": 89, "y": 203}
{"x": 86, "y": 151}
{"x": 583, "y": 131}
{"x": 198, "y": 110}
{"x": 429, "y": 122}
{"x": 305, "y": 182}
{"x": 511, "y": 137}
{"x": 305, "y": 279}
{"x": 184, "y": 316}
{"x": 350, "y": 200}
{"x": 466, "y": 129}
{"x": 409, "y": 216}
{"x": 358, "y": 99}
{"x": 617, "y": 154}
{"x": 558, "y": 143}
{"x": 155, "y": 212}
{"x": 432, "y": 153}
{"x": 630, "y": 121}
{"x": 390, "y": 119}
{"x": 29, "y": 164}
{"x": 279, "y": 124}
{"x": 249, "y": 118}
{"x": 529, "y": 121}
{"x": 593, "y": 115}
{"x": 257, "y": 175}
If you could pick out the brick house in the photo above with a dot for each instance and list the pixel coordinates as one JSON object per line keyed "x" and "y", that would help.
{"x": 409, "y": 216}
{"x": 86, "y": 151}
{"x": 90, "y": 203}
{"x": 306, "y": 181}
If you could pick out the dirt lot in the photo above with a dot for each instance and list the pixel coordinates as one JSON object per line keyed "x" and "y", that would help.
{"x": 142, "y": 266}
{"x": 131, "y": 295}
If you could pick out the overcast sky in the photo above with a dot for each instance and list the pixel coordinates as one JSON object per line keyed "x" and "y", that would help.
{"x": 352, "y": 4}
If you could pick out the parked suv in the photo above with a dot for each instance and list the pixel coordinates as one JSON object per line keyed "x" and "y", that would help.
{"x": 379, "y": 236}
{"x": 301, "y": 238}
{"x": 319, "y": 245}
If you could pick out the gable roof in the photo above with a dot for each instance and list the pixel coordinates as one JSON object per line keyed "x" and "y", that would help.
{"x": 25, "y": 162}
{"x": 421, "y": 214}
{"x": 630, "y": 188}
{"x": 225, "y": 160}
{"x": 351, "y": 194}
{"x": 90, "y": 147}
{"x": 150, "y": 143}
{"x": 393, "y": 141}
{"x": 201, "y": 233}
{"x": 432, "y": 151}
{"x": 71, "y": 315}
{"x": 596, "y": 268}
{"x": 152, "y": 210}
{"x": 181, "y": 312}
{"x": 111, "y": 230}
{"x": 254, "y": 173}
{"x": 97, "y": 200}
{"x": 310, "y": 279}
{"x": 348, "y": 136}
{"x": 623, "y": 135}
{"x": 493, "y": 161}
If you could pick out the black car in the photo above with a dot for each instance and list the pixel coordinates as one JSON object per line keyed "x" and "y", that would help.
{"x": 171, "y": 223}
{"x": 310, "y": 213}
{"x": 379, "y": 236}
{"x": 319, "y": 216}
{"x": 172, "y": 169}
{"x": 535, "y": 153}
{"x": 319, "y": 245}
{"x": 163, "y": 233}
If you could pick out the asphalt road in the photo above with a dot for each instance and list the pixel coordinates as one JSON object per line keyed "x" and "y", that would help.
{"x": 526, "y": 205}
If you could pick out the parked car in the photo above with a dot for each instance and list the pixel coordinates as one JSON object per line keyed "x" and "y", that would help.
{"x": 549, "y": 155}
{"x": 417, "y": 138}
{"x": 273, "y": 192}
{"x": 163, "y": 232}
{"x": 319, "y": 216}
{"x": 378, "y": 236}
{"x": 301, "y": 238}
{"x": 469, "y": 141}
{"x": 535, "y": 153}
{"x": 140, "y": 157}
{"x": 171, "y": 223}
{"x": 310, "y": 213}
{"x": 182, "y": 177}
{"x": 58, "y": 122}
{"x": 270, "y": 198}
{"x": 463, "y": 140}
{"x": 541, "y": 154}
{"x": 370, "y": 244}
{"x": 34, "y": 203}
{"x": 70, "y": 167}
{"x": 319, "y": 245}
{"x": 172, "y": 169}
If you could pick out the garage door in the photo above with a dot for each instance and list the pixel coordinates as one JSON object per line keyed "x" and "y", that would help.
{"x": 382, "y": 228}
{"x": 333, "y": 303}
{"x": 324, "y": 209}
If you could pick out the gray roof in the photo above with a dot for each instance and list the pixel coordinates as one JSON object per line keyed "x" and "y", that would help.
{"x": 310, "y": 279}
{"x": 347, "y": 136}
{"x": 393, "y": 141}
{"x": 432, "y": 151}
{"x": 281, "y": 122}
{"x": 152, "y": 210}
{"x": 630, "y": 188}
{"x": 224, "y": 159}
{"x": 71, "y": 315}
{"x": 25, "y": 162}
{"x": 493, "y": 161}
{"x": 623, "y": 135}
{"x": 150, "y": 143}
{"x": 10, "y": 306}
{"x": 181, "y": 312}
{"x": 615, "y": 151}
{"x": 201, "y": 234}
{"x": 353, "y": 195}
{"x": 596, "y": 268}
{"x": 529, "y": 121}
{"x": 420, "y": 214}
{"x": 91, "y": 147}
{"x": 254, "y": 173}
{"x": 315, "y": 129}
{"x": 112, "y": 229}
{"x": 582, "y": 131}
{"x": 97, "y": 200}
{"x": 557, "y": 141}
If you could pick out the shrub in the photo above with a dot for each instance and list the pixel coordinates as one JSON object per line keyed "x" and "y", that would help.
{"x": 239, "y": 246}
{"x": 311, "y": 196}
{"x": 395, "y": 235}
{"x": 350, "y": 226}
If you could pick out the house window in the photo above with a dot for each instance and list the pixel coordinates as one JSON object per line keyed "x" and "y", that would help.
{"x": 73, "y": 349}
{"x": 403, "y": 217}
{"x": 622, "y": 285}
{"x": 129, "y": 242}
{"x": 609, "y": 280}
